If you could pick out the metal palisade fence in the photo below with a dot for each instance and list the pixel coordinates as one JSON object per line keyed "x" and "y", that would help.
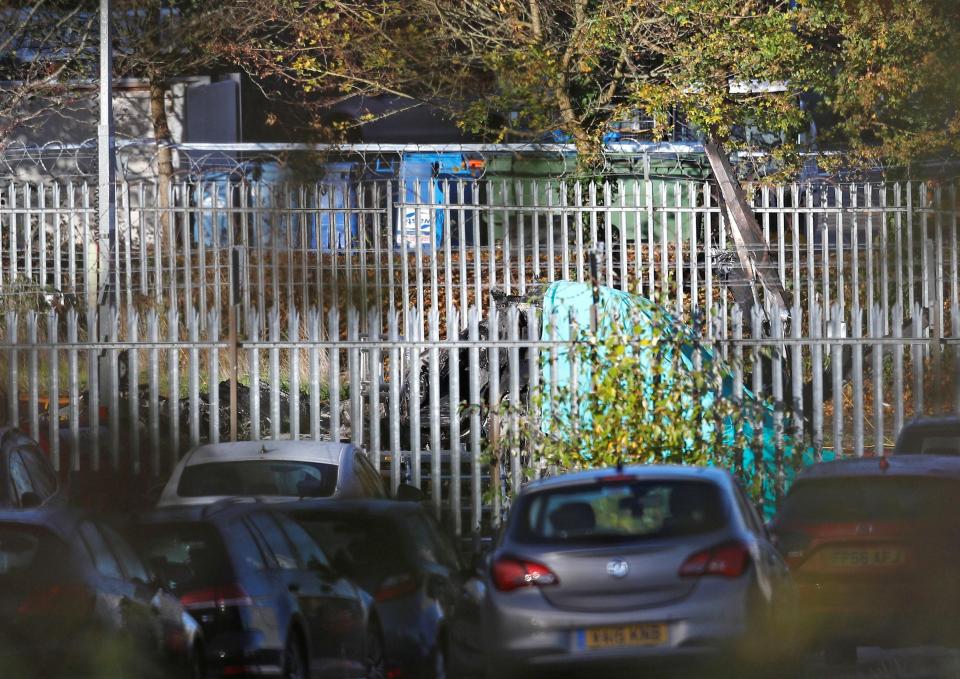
{"x": 392, "y": 244}
{"x": 399, "y": 316}
{"x": 429, "y": 407}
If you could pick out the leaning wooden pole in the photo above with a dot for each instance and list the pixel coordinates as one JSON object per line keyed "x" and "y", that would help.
{"x": 752, "y": 250}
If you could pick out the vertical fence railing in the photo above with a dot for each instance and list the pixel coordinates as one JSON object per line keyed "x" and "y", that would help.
{"x": 352, "y": 333}
{"x": 359, "y": 243}
{"x": 429, "y": 408}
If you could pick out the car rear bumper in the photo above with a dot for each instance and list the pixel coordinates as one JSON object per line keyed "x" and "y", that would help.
{"x": 526, "y": 631}
{"x": 242, "y": 654}
{"x": 886, "y": 614}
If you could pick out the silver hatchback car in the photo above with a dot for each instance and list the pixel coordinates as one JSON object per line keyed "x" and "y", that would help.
{"x": 633, "y": 566}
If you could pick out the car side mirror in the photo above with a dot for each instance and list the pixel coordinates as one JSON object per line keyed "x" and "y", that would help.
{"x": 409, "y": 493}
{"x": 29, "y": 500}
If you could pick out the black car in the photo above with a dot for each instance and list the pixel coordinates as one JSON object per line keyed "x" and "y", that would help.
{"x": 428, "y": 601}
{"x": 26, "y": 477}
{"x": 76, "y": 600}
{"x": 930, "y": 436}
{"x": 268, "y": 600}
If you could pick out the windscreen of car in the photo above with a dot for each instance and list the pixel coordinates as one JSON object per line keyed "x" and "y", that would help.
{"x": 290, "y": 478}
{"x": 187, "y": 556}
{"x": 28, "y": 551}
{"x": 620, "y": 512}
{"x": 374, "y": 546}
{"x": 879, "y": 498}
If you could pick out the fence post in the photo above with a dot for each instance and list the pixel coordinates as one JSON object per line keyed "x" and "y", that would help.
{"x": 898, "y": 403}
{"x": 74, "y": 389}
{"x": 876, "y": 331}
{"x": 213, "y": 376}
{"x": 396, "y": 377}
{"x": 333, "y": 335}
{"x": 375, "y": 337}
{"x": 275, "y": 413}
{"x": 858, "y": 413}
{"x": 473, "y": 324}
{"x": 778, "y": 407}
{"x": 836, "y": 367}
{"x": 453, "y": 402}
{"x": 133, "y": 383}
{"x": 293, "y": 336}
{"x": 435, "y": 446}
{"x": 54, "y": 396}
{"x": 816, "y": 362}
{"x": 153, "y": 333}
{"x": 233, "y": 337}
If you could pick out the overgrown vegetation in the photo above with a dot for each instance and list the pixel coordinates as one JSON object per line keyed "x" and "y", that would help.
{"x": 644, "y": 389}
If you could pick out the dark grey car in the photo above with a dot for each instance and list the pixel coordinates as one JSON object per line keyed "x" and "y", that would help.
{"x": 625, "y": 566}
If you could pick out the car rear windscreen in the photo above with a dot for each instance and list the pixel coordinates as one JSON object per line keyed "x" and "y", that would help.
{"x": 28, "y": 550}
{"x": 259, "y": 477}
{"x": 187, "y": 556}
{"x": 878, "y": 498}
{"x": 620, "y": 512}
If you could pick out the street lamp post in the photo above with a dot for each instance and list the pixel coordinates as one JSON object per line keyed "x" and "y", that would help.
{"x": 106, "y": 165}
{"x": 106, "y": 290}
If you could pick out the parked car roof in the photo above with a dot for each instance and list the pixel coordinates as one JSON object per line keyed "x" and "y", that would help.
{"x": 651, "y": 471}
{"x": 938, "y": 428}
{"x": 61, "y": 519}
{"x": 893, "y": 465}
{"x": 934, "y": 421}
{"x": 207, "y": 467}
{"x": 320, "y": 451}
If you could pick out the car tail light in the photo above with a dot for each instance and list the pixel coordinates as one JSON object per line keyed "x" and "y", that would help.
{"x": 729, "y": 560}
{"x": 510, "y": 574}
{"x": 396, "y": 585}
{"x": 75, "y": 600}
{"x": 216, "y": 597}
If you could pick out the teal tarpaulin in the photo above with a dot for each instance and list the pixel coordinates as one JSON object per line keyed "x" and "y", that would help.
{"x": 567, "y": 310}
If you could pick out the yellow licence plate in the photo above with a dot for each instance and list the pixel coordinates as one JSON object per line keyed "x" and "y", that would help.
{"x": 628, "y": 635}
{"x": 864, "y": 558}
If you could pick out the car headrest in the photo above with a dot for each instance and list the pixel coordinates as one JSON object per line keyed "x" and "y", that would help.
{"x": 573, "y": 517}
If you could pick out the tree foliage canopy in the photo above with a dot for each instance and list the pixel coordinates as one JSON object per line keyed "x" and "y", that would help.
{"x": 879, "y": 75}
{"x": 881, "y": 70}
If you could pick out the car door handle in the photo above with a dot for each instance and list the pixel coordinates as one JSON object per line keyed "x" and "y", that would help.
{"x": 294, "y": 587}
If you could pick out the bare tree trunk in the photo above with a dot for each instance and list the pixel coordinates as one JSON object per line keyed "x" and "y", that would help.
{"x": 161, "y": 132}
{"x": 752, "y": 251}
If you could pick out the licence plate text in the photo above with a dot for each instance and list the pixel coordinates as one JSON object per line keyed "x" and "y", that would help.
{"x": 864, "y": 558}
{"x": 627, "y": 635}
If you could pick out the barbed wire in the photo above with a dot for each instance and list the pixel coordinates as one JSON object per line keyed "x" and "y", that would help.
{"x": 138, "y": 159}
